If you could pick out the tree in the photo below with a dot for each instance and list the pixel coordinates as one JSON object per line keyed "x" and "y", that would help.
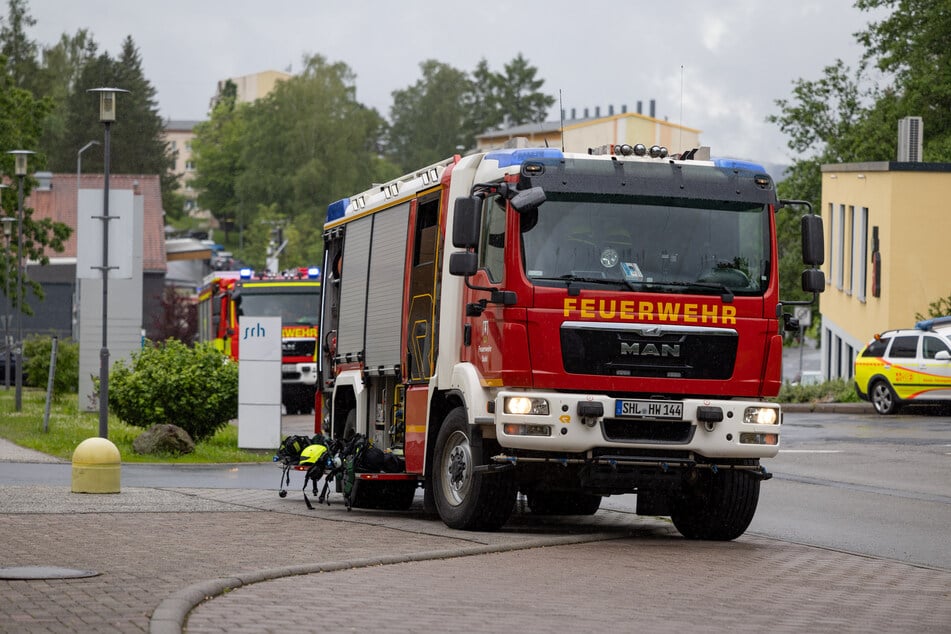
{"x": 519, "y": 96}
{"x": 216, "y": 151}
{"x": 444, "y": 111}
{"x": 846, "y": 117}
{"x": 137, "y": 138}
{"x": 284, "y": 158}
{"x": 912, "y": 45}
{"x": 428, "y": 119}
{"x": 19, "y": 50}
{"x": 21, "y": 118}
{"x": 58, "y": 77}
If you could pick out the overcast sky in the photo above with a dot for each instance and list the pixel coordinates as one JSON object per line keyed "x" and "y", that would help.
{"x": 714, "y": 65}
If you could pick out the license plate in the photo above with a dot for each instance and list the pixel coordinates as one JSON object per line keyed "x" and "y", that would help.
{"x": 649, "y": 409}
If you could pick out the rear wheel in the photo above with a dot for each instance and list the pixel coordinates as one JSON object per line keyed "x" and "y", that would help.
{"x": 883, "y": 397}
{"x": 465, "y": 498}
{"x": 717, "y": 506}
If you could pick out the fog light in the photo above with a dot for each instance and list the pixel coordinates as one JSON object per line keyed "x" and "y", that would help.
{"x": 750, "y": 438}
{"x": 517, "y": 429}
{"x": 525, "y": 405}
{"x": 761, "y": 416}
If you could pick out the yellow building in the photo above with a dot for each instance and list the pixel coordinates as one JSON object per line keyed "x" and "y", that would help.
{"x": 584, "y": 133}
{"x": 255, "y": 86}
{"x": 886, "y": 232}
{"x": 179, "y": 136}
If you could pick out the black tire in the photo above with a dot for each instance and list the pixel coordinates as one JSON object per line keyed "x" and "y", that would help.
{"x": 883, "y": 397}
{"x": 563, "y": 503}
{"x": 718, "y": 506}
{"x": 350, "y": 425}
{"x": 467, "y": 499}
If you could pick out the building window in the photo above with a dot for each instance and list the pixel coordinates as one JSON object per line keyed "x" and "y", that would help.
{"x": 188, "y": 146}
{"x": 830, "y": 222}
{"x": 189, "y": 166}
{"x": 851, "y": 245}
{"x": 860, "y": 254}
{"x": 840, "y": 254}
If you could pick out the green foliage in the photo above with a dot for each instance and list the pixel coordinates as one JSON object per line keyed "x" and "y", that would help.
{"x": 428, "y": 118}
{"x": 443, "y": 112}
{"x": 941, "y": 307}
{"x": 194, "y": 388}
{"x": 36, "y": 369}
{"x": 835, "y": 391}
{"x": 68, "y": 426}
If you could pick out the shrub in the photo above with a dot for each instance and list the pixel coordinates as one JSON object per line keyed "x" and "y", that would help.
{"x": 834, "y": 391}
{"x": 36, "y": 367}
{"x": 170, "y": 383}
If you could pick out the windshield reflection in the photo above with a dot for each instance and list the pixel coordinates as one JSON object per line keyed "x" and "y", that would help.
{"x": 710, "y": 245}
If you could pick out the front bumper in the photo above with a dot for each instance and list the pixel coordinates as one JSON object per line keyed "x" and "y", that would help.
{"x": 578, "y": 423}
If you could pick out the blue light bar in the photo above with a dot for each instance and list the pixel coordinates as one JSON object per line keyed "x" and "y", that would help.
{"x": 313, "y": 272}
{"x": 736, "y": 164}
{"x": 246, "y": 274}
{"x": 336, "y": 210}
{"x": 510, "y": 157}
{"x": 928, "y": 324}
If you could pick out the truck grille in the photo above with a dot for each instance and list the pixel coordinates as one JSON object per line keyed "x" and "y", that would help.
{"x": 298, "y": 347}
{"x": 639, "y": 350}
{"x": 622, "y": 430}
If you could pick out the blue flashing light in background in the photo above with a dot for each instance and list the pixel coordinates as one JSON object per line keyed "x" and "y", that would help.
{"x": 336, "y": 210}
{"x": 736, "y": 164}
{"x": 246, "y": 273}
{"x": 510, "y": 157}
{"x": 313, "y": 272}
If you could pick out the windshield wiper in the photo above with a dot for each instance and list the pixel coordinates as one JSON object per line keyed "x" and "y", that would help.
{"x": 725, "y": 291}
{"x": 569, "y": 278}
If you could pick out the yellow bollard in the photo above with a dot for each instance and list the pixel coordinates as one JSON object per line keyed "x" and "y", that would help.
{"x": 96, "y": 467}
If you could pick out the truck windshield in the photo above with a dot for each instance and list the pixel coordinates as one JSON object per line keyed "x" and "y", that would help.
{"x": 690, "y": 246}
{"x": 291, "y": 307}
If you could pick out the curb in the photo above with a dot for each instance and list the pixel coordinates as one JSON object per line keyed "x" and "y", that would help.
{"x": 170, "y": 615}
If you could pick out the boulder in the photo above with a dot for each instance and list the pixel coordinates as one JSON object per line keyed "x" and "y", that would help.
{"x": 163, "y": 439}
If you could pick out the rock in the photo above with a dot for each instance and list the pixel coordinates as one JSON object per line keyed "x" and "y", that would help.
{"x": 167, "y": 439}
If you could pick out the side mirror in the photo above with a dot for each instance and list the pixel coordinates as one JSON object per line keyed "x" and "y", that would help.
{"x": 463, "y": 263}
{"x": 813, "y": 240}
{"x": 466, "y": 222}
{"x": 528, "y": 199}
{"x": 813, "y": 281}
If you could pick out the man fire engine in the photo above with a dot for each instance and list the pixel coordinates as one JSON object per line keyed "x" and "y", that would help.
{"x": 604, "y": 323}
{"x": 294, "y": 297}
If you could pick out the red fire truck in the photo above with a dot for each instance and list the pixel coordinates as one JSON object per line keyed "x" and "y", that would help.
{"x": 294, "y": 296}
{"x": 565, "y": 326}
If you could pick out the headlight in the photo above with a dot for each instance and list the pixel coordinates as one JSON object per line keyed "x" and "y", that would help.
{"x": 525, "y": 405}
{"x": 761, "y": 416}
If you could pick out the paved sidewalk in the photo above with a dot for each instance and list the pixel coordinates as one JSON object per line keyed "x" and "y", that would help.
{"x": 245, "y": 560}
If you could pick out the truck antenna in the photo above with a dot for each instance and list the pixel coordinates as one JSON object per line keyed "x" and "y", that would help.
{"x": 561, "y": 107}
{"x": 681, "y": 140}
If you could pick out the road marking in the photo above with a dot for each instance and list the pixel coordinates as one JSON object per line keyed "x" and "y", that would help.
{"x": 810, "y": 451}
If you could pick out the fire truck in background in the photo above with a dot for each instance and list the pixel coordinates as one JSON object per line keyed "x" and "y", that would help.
{"x": 294, "y": 296}
{"x": 564, "y": 325}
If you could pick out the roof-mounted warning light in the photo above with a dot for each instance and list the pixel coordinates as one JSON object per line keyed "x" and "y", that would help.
{"x": 246, "y": 273}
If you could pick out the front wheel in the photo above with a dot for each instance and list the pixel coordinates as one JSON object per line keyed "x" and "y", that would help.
{"x": 718, "y": 505}
{"x": 883, "y": 398}
{"x": 467, "y": 499}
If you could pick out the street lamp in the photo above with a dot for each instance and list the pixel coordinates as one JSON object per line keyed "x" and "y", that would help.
{"x": 79, "y": 166}
{"x": 107, "y": 114}
{"x": 20, "y": 171}
{"x": 7, "y": 230}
